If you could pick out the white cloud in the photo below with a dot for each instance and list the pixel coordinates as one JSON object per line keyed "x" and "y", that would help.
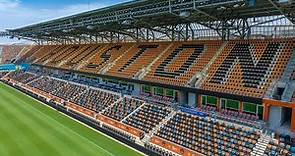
{"x": 9, "y": 4}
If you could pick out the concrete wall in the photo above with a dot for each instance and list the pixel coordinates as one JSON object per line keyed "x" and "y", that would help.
{"x": 137, "y": 89}
{"x": 192, "y": 99}
{"x": 275, "y": 117}
{"x": 183, "y": 97}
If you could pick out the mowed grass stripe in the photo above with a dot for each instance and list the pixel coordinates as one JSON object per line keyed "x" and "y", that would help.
{"x": 28, "y": 119}
{"x": 35, "y": 129}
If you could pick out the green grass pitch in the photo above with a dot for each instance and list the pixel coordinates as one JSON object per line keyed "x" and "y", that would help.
{"x": 28, "y": 128}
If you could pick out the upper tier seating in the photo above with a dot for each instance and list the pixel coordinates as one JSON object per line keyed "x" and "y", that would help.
{"x": 67, "y": 54}
{"x": 123, "y": 108}
{"x": 109, "y": 54}
{"x": 182, "y": 61}
{"x": 95, "y": 100}
{"x": 22, "y": 77}
{"x": 27, "y": 57}
{"x": 148, "y": 117}
{"x": 209, "y": 137}
{"x": 80, "y": 56}
{"x": 37, "y": 53}
{"x": 248, "y": 67}
{"x": 136, "y": 59}
{"x": 9, "y": 53}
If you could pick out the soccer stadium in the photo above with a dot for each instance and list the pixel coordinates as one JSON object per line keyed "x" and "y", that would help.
{"x": 152, "y": 77}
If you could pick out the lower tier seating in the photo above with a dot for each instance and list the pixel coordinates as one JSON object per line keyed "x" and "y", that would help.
{"x": 22, "y": 77}
{"x": 277, "y": 149}
{"x": 205, "y": 135}
{"x": 69, "y": 91}
{"x": 148, "y": 117}
{"x": 123, "y": 108}
{"x": 158, "y": 150}
{"x": 95, "y": 100}
{"x": 209, "y": 137}
{"x": 48, "y": 85}
{"x": 3, "y": 74}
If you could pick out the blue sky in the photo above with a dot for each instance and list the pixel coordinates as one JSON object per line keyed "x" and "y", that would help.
{"x": 17, "y": 13}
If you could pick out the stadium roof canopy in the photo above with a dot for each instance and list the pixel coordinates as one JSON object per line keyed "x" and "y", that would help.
{"x": 160, "y": 19}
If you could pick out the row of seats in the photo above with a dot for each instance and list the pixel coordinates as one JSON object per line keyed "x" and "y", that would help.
{"x": 148, "y": 117}
{"x": 2, "y": 74}
{"x": 48, "y": 85}
{"x": 232, "y": 116}
{"x": 182, "y": 61}
{"x": 119, "y": 133}
{"x": 70, "y": 91}
{"x": 158, "y": 150}
{"x": 248, "y": 67}
{"x": 245, "y": 67}
{"x": 136, "y": 59}
{"x": 157, "y": 98}
{"x": 22, "y": 77}
{"x": 92, "y": 99}
{"x": 209, "y": 137}
{"x": 109, "y": 54}
{"x": 274, "y": 148}
{"x": 95, "y": 100}
{"x": 9, "y": 53}
{"x": 123, "y": 108}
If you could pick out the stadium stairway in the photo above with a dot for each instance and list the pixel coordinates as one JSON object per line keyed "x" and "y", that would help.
{"x": 105, "y": 109}
{"x": 284, "y": 82}
{"x": 286, "y": 79}
{"x": 133, "y": 111}
{"x": 106, "y": 68}
{"x": 260, "y": 146}
{"x": 85, "y": 62}
{"x": 23, "y": 51}
{"x": 198, "y": 79}
{"x": 148, "y": 136}
{"x": 141, "y": 74}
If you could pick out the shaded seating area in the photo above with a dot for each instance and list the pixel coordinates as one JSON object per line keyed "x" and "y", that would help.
{"x": 148, "y": 117}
